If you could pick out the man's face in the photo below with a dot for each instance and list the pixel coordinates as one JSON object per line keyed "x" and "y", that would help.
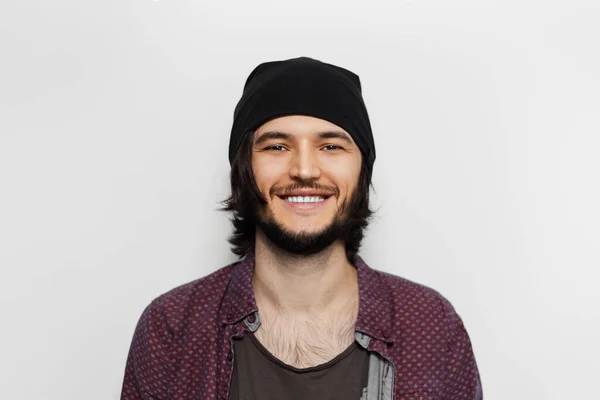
{"x": 307, "y": 169}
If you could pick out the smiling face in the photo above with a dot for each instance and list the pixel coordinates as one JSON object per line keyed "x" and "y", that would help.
{"x": 307, "y": 169}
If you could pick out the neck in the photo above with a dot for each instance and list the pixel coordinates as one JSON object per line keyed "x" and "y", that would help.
{"x": 315, "y": 283}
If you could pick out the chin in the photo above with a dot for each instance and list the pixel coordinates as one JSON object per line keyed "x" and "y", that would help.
{"x": 304, "y": 228}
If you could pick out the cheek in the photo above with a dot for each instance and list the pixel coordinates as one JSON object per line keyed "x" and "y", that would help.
{"x": 266, "y": 173}
{"x": 345, "y": 175}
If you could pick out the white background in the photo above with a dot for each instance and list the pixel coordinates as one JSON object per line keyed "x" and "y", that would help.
{"x": 115, "y": 120}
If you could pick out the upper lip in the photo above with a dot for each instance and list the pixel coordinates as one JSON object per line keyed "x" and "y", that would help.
{"x": 314, "y": 193}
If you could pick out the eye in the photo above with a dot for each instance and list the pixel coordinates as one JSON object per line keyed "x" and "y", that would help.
{"x": 332, "y": 147}
{"x": 276, "y": 147}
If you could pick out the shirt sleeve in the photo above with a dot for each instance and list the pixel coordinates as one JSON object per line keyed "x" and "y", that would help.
{"x": 462, "y": 381}
{"x": 147, "y": 371}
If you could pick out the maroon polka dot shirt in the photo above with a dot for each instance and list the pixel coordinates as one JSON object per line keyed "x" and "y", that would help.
{"x": 182, "y": 345}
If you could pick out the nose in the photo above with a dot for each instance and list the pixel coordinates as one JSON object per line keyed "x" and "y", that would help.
{"x": 304, "y": 166}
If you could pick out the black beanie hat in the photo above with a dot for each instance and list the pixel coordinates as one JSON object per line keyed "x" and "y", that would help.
{"x": 308, "y": 87}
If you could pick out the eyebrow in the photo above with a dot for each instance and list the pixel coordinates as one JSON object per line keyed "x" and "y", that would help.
{"x": 282, "y": 135}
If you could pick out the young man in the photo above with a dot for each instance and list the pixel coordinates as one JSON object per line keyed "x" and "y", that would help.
{"x": 301, "y": 316}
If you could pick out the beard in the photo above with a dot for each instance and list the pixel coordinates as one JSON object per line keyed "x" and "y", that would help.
{"x": 308, "y": 243}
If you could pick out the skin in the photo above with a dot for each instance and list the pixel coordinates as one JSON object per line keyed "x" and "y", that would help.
{"x": 308, "y": 304}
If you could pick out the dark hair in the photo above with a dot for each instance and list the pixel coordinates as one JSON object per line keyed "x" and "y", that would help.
{"x": 245, "y": 199}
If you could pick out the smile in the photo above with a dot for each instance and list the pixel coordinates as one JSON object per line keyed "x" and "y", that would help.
{"x": 306, "y": 199}
{"x": 305, "y": 202}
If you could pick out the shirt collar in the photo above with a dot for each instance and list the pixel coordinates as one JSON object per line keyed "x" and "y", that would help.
{"x": 375, "y": 310}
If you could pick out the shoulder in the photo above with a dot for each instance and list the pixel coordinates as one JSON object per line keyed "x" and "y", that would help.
{"x": 202, "y": 289}
{"x": 198, "y": 299}
{"x": 415, "y": 301}
{"x": 404, "y": 288}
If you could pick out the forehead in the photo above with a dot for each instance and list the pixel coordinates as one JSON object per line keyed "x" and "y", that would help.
{"x": 299, "y": 125}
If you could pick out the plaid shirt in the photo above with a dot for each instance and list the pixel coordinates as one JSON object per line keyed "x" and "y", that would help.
{"x": 182, "y": 346}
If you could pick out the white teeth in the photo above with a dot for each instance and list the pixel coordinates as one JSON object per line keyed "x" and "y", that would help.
{"x": 304, "y": 199}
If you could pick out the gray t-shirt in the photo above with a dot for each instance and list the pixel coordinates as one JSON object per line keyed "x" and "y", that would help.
{"x": 258, "y": 375}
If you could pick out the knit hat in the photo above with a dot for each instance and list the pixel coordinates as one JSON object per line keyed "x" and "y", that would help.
{"x": 303, "y": 86}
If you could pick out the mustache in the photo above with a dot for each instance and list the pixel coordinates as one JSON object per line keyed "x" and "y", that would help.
{"x": 282, "y": 191}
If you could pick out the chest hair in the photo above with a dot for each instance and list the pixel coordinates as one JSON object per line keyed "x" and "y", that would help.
{"x": 308, "y": 340}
